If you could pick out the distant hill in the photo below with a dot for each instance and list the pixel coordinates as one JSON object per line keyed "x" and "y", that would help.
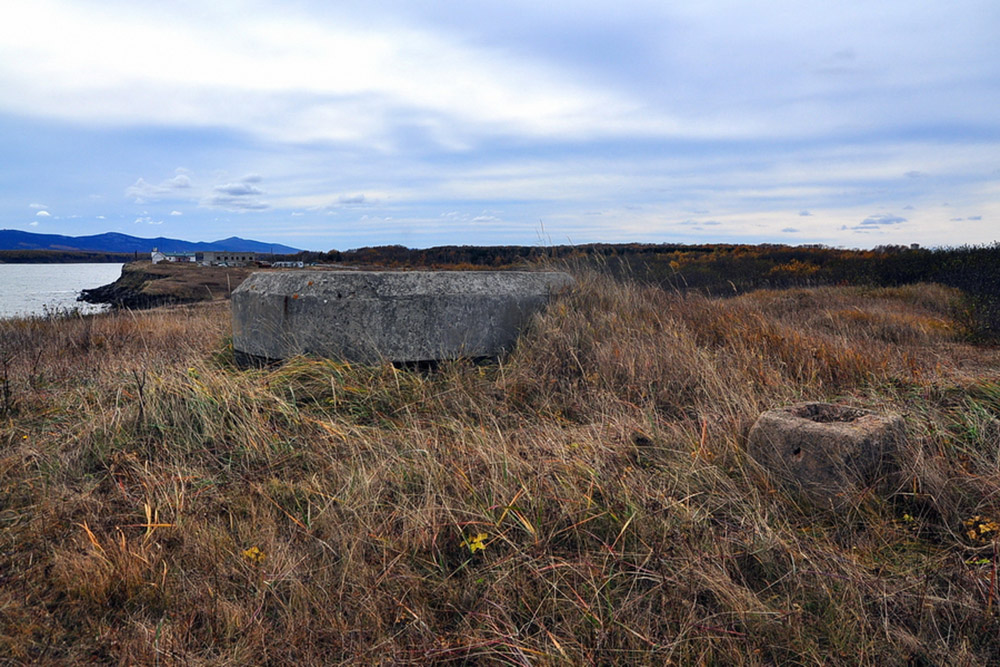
{"x": 11, "y": 239}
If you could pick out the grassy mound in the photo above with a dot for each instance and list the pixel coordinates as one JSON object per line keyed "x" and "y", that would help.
{"x": 586, "y": 501}
{"x": 147, "y": 285}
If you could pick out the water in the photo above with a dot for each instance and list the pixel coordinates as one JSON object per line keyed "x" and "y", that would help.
{"x": 37, "y": 289}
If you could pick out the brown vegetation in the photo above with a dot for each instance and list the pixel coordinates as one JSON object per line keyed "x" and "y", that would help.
{"x": 586, "y": 501}
{"x": 147, "y": 285}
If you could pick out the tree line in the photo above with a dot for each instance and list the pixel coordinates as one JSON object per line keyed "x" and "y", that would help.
{"x": 726, "y": 268}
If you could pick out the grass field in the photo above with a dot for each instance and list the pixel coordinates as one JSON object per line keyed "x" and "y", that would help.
{"x": 586, "y": 501}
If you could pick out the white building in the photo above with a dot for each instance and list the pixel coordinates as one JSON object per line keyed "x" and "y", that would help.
{"x": 156, "y": 256}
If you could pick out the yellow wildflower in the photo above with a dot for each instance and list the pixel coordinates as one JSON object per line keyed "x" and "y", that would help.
{"x": 475, "y": 543}
{"x": 979, "y": 527}
{"x": 254, "y": 555}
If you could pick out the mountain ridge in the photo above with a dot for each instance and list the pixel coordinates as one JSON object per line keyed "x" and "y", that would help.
{"x": 12, "y": 239}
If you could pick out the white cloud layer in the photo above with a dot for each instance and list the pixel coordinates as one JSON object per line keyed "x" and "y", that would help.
{"x": 172, "y": 188}
{"x": 845, "y": 123}
{"x": 242, "y": 195}
{"x": 288, "y": 76}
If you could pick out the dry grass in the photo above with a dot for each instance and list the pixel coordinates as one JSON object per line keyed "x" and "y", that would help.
{"x": 586, "y": 501}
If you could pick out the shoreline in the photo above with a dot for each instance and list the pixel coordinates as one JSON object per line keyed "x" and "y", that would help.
{"x": 41, "y": 290}
{"x": 143, "y": 285}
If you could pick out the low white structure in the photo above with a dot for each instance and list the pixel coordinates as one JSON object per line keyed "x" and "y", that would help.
{"x": 156, "y": 256}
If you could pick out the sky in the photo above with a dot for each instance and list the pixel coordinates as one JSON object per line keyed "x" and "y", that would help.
{"x": 336, "y": 125}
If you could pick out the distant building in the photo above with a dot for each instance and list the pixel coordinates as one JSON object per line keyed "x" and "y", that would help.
{"x": 156, "y": 256}
{"x": 225, "y": 258}
{"x": 288, "y": 265}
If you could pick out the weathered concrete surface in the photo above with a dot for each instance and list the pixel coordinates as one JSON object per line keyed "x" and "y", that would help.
{"x": 405, "y": 316}
{"x": 829, "y": 452}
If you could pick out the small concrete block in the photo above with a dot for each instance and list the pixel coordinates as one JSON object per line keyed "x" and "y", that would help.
{"x": 826, "y": 451}
{"x": 400, "y": 316}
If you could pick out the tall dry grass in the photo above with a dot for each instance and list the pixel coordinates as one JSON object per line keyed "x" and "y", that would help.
{"x": 587, "y": 500}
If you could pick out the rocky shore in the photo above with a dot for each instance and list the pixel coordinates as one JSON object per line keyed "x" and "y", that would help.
{"x": 146, "y": 285}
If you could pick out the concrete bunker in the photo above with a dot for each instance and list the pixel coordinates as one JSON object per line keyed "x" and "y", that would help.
{"x": 399, "y": 316}
{"x": 827, "y": 451}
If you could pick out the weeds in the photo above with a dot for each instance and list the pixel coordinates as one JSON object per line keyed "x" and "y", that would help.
{"x": 587, "y": 500}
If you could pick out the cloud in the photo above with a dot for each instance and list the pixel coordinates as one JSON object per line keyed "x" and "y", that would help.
{"x": 176, "y": 213}
{"x": 44, "y": 214}
{"x": 37, "y": 206}
{"x": 840, "y": 62}
{"x": 956, "y": 219}
{"x": 975, "y": 217}
{"x": 33, "y": 223}
{"x": 147, "y": 220}
{"x": 874, "y": 223}
{"x": 172, "y": 188}
{"x": 238, "y": 195}
{"x": 880, "y": 220}
{"x": 434, "y": 111}
{"x": 336, "y": 75}
{"x": 241, "y": 189}
{"x": 790, "y": 230}
{"x": 700, "y": 225}
{"x": 234, "y": 203}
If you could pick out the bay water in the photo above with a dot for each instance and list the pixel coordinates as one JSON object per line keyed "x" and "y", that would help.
{"x": 34, "y": 290}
